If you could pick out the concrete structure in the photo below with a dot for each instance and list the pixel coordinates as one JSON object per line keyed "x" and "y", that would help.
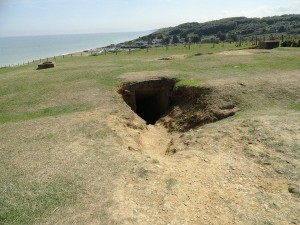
{"x": 46, "y": 65}
{"x": 268, "y": 44}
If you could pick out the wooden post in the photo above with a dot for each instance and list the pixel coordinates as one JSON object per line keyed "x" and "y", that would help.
{"x": 116, "y": 51}
{"x": 105, "y": 51}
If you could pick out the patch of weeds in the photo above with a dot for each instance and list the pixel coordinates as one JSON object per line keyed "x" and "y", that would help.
{"x": 51, "y": 111}
{"x": 277, "y": 146}
{"x": 171, "y": 182}
{"x": 155, "y": 161}
{"x": 217, "y": 137}
{"x": 185, "y": 119}
{"x": 143, "y": 172}
{"x": 289, "y": 173}
{"x": 264, "y": 155}
{"x": 190, "y": 83}
{"x": 295, "y": 107}
{"x": 254, "y": 128}
{"x": 249, "y": 152}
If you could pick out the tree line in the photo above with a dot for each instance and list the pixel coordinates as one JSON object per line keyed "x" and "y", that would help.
{"x": 231, "y": 29}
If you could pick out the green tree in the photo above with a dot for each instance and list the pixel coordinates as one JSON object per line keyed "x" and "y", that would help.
{"x": 195, "y": 39}
{"x": 166, "y": 40}
{"x": 221, "y": 36}
{"x": 175, "y": 39}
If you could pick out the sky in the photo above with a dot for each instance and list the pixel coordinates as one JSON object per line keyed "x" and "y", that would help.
{"x": 47, "y": 17}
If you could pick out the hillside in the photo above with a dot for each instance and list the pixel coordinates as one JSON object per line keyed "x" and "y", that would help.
{"x": 231, "y": 29}
{"x": 226, "y": 151}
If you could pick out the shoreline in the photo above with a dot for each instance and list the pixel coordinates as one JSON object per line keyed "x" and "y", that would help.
{"x": 24, "y": 50}
{"x": 82, "y": 53}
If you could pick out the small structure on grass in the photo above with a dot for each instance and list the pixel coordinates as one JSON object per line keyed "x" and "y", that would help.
{"x": 269, "y": 44}
{"x": 45, "y": 65}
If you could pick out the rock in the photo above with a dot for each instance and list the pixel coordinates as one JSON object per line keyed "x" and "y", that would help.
{"x": 232, "y": 168}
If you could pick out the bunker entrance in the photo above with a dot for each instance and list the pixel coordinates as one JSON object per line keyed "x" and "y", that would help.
{"x": 149, "y": 99}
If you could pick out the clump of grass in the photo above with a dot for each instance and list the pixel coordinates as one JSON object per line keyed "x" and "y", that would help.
{"x": 171, "y": 182}
{"x": 155, "y": 161}
{"x": 143, "y": 172}
{"x": 277, "y": 146}
{"x": 190, "y": 83}
{"x": 295, "y": 107}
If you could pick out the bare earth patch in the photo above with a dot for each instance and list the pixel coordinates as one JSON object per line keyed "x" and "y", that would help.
{"x": 244, "y": 52}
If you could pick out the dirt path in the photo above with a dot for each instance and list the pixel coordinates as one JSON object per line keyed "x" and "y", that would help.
{"x": 155, "y": 140}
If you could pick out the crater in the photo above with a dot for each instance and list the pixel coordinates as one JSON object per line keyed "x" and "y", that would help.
{"x": 177, "y": 108}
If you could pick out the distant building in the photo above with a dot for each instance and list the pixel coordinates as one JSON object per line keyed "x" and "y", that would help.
{"x": 156, "y": 41}
{"x": 142, "y": 43}
{"x": 268, "y": 44}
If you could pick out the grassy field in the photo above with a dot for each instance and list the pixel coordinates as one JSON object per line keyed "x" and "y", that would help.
{"x": 72, "y": 152}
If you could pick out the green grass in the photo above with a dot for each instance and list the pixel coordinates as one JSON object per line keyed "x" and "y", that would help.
{"x": 26, "y": 202}
{"x": 53, "y": 111}
{"x": 185, "y": 82}
{"x": 85, "y": 148}
{"x": 295, "y": 107}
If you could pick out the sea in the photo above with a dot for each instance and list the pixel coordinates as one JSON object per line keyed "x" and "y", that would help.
{"x": 19, "y": 50}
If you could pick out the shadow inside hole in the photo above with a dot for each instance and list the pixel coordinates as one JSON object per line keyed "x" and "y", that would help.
{"x": 149, "y": 99}
{"x": 148, "y": 108}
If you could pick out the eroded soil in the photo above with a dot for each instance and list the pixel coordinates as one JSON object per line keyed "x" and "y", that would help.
{"x": 228, "y": 172}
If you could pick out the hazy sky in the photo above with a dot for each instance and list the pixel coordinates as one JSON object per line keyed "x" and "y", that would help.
{"x": 38, "y": 17}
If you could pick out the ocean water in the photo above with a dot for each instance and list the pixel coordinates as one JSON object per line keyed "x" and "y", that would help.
{"x": 15, "y": 50}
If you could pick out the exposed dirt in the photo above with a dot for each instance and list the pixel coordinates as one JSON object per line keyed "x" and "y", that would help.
{"x": 244, "y": 52}
{"x": 221, "y": 173}
{"x": 196, "y": 106}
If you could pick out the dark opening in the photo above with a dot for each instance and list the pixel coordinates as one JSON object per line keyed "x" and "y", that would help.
{"x": 148, "y": 108}
{"x": 149, "y": 99}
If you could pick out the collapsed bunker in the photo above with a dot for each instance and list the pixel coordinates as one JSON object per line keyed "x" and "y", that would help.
{"x": 178, "y": 108}
{"x": 149, "y": 99}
